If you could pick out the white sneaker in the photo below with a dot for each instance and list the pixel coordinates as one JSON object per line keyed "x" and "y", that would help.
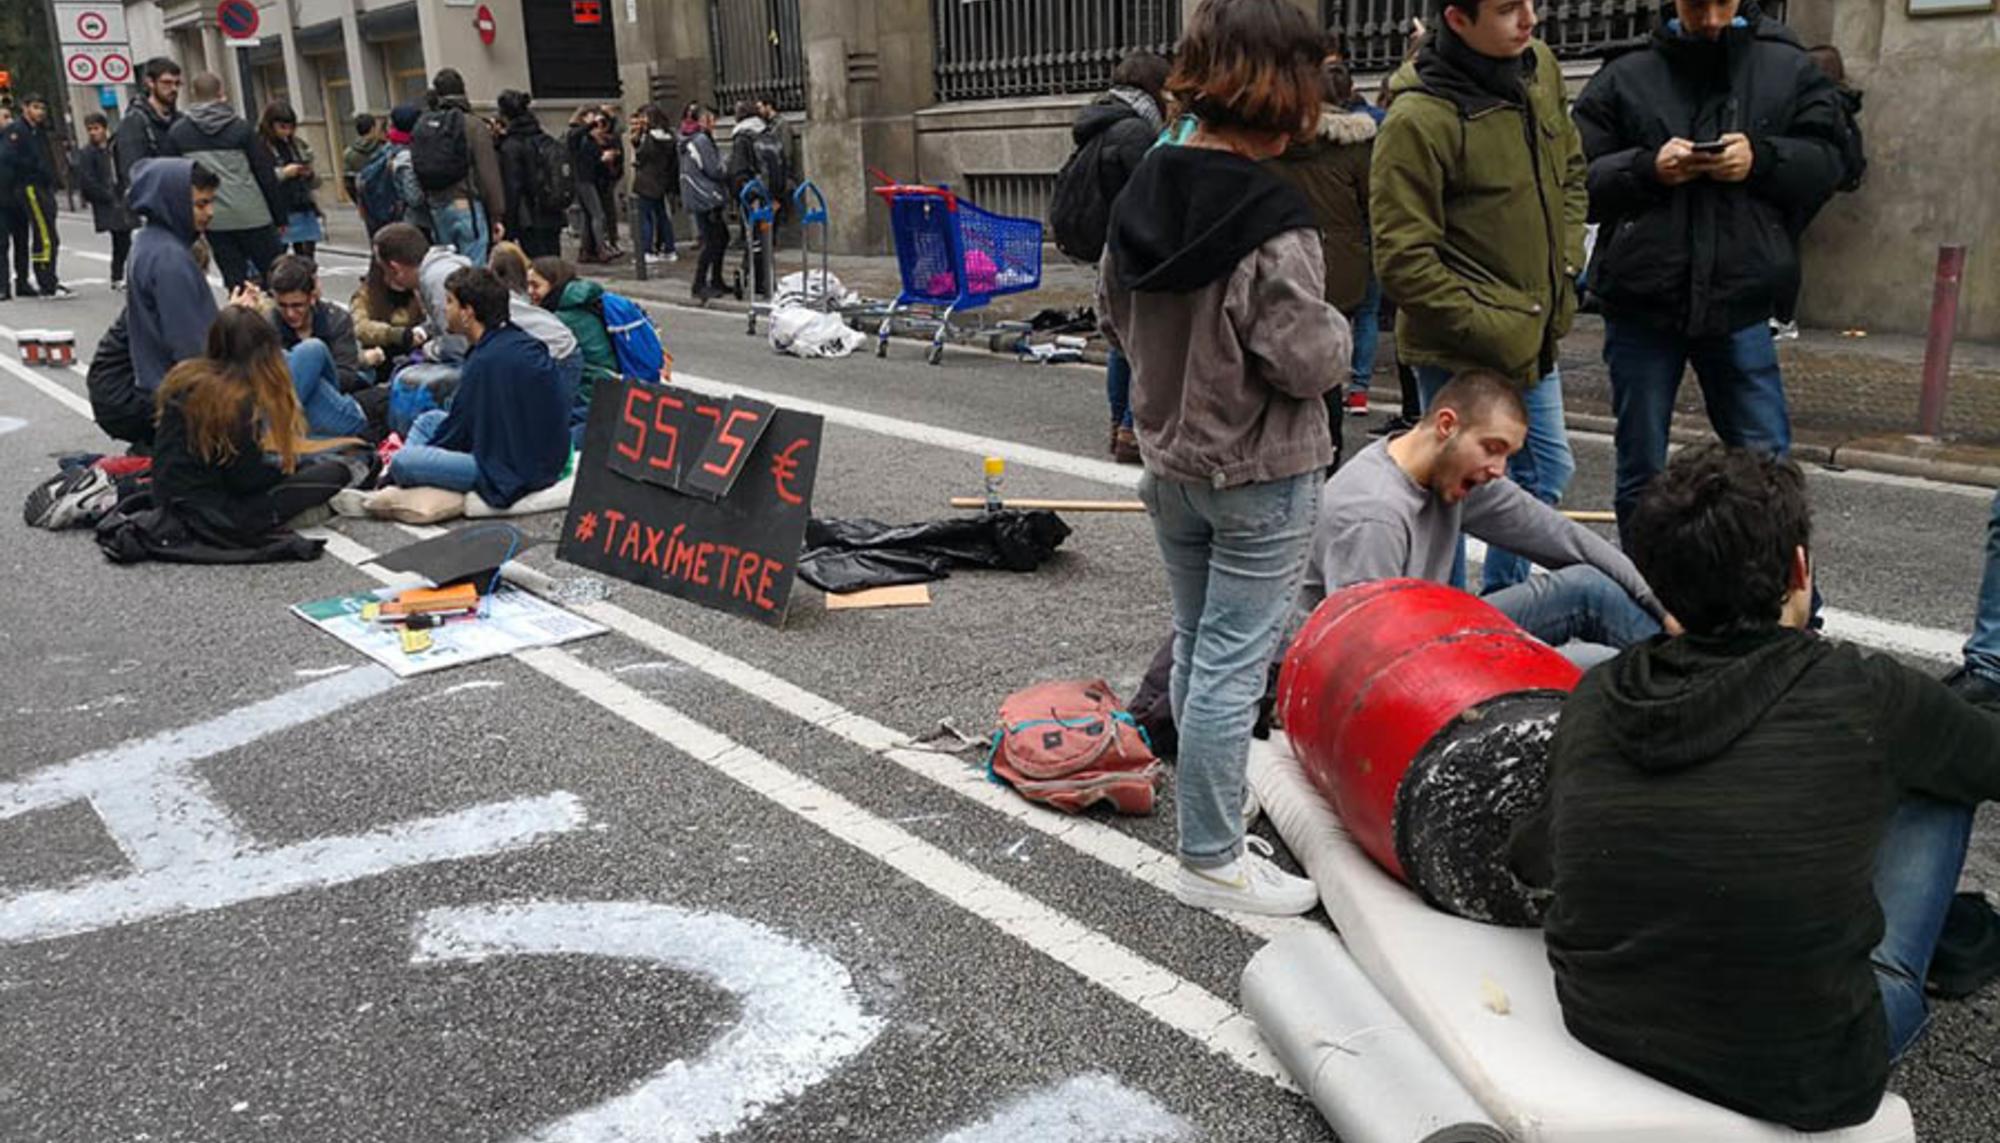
{"x": 1250, "y": 884}
{"x": 59, "y": 294}
{"x": 655, "y": 259}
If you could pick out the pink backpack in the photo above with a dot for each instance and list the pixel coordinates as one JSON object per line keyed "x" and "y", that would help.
{"x": 1070, "y": 744}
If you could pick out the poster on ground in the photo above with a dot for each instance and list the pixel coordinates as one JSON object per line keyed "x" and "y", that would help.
{"x": 509, "y": 620}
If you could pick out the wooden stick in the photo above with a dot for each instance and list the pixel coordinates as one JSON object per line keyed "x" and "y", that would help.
{"x": 1055, "y": 505}
{"x": 1588, "y": 516}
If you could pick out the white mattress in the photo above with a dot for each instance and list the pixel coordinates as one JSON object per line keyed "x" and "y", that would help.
{"x": 1447, "y": 976}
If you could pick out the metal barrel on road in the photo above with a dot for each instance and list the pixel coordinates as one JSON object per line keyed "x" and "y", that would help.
{"x": 1423, "y": 715}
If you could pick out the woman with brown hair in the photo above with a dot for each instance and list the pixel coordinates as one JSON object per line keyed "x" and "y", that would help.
{"x": 388, "y": 317}
{"x": 231, "y": 461}
{"x": 300, "y": 223}
{"x": 1212, "y": 285}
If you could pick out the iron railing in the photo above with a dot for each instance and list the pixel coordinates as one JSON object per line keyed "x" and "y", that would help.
{"x": 758, "y": 52}
{"x": 997, "y": 49}
{"x": 1374, "y": 33}
{"x": 1021, "y": 194}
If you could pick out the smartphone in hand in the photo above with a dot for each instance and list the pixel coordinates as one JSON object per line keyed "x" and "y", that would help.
{"x": 1712, "y": 147}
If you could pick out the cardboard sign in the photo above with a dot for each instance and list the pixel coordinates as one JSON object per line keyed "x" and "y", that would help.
{"x": 697, "y": 497}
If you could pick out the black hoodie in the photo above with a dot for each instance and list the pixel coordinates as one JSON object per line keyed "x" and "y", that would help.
{"x": 1189, "y": 215}
{"x": 1716, "y": 805}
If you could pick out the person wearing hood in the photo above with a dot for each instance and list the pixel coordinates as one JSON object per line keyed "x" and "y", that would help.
{"x": 655, "y": 173}
{"x": 454, "y": 157}
{"x": 1331, "y": 169}
{"x": 28, "y": 178}
{"x": 1753, "y": 832}
{"x": 243, "y": 234}
{"x": 168, "y": 305}
{"x": 536, "y": 225}
{"x": 1111, "y": 136}
{"x": 754, "y": 154}
{"x": 1212, "y": 283}
{"x": 704, "y": 191}
{"x": 1477, "y": 200}
{"x": 1709, "y": 151}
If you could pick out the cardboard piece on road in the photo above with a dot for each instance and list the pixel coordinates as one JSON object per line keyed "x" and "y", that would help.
{"x": 629, "y": 519}
{"x": 467, "y": 555}
{"x": 509, "y": 620}
{"x": 898, "y": 595}
{"x": 718, "y": 465}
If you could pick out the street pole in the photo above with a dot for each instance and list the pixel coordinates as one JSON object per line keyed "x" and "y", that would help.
{"x": 1943, "y": 331}
{"x": 62, "y": 76}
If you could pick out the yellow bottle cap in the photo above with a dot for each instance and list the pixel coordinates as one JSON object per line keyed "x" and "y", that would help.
{"x": 995, "y": 466}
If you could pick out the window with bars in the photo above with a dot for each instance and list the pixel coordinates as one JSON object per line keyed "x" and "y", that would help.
{"x": 1374, "y": 32}
{"x": 758, "y": 52}
{"x": 996, "y": 49}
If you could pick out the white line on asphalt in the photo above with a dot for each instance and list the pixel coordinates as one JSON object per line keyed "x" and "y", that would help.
{"x": 11, "y": 424}
{"x": 1087, "y": 1109}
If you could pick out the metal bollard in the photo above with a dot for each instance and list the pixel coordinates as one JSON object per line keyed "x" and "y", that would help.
{"x": 632, "y": 231}
{"x": 1943, "y": 331}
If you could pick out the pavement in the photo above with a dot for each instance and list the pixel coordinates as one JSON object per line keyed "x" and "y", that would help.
{"x": 686, "y": 879}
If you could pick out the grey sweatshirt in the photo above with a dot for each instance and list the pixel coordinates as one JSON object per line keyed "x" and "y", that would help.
{"x": 1377, "y": 523}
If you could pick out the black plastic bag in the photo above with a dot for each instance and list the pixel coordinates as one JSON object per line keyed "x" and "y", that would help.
{"x": 850, "y": 555}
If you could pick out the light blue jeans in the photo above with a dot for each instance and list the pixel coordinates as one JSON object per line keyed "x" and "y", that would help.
{"x": 1576, "y": 603}
{"x": 1543, "y": 466}
{"x": 1234, "y": 558}
{"x": 1982, "y": 651}
{"x": 1118, "y": 386}
{"x": 1367, "y": 324}
{"x": 463, "y": 228}
{"x": 329, "y": 412}
{"x": 419, "y": 464}
{"x": 1916, "y": 873}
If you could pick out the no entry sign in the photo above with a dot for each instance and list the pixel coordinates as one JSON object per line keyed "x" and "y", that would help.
{"x": 483, "y": 20}
{"x": 238, "y": 19}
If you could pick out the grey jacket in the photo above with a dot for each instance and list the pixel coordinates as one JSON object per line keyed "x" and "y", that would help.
{"x": 213, "y": 135}
{"x": 703, "y": 175}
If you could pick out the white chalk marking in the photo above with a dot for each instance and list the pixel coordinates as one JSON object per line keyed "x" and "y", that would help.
{"x": 655, "y": 665}
{"x": 1088, "y": 1109}
{"x": 474, "y": 685}
{"x": 1167, "y": 997}
{"x": 320, "y": 672}
{"x": 11, "y": 424}
{"x": 1888, "y": 635}
{"x": 480, "y": 831}
{"x": 800, "y": 1018}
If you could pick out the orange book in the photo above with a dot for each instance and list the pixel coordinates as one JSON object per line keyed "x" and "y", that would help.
{"x": 431, "y": 600}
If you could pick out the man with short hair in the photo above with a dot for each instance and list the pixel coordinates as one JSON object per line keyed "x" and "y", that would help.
{"x": 507, "y": 433}
{"x": 1398, "y": 509}
{"x": 1709, "y": 151}
{"x": 97, "y": 171}
{"x": 1753, "y": 833}
{"x": 242, "y": 235}
{"x": 465, "y": 197}
{"x": 28, "y": 159}
{"x": 368, "y": 143}
{"x": 319, "y": 347}
{"x": 1477, "y": 203}
{"x": 145, "y": 129}
{"x": 168, "y": 305}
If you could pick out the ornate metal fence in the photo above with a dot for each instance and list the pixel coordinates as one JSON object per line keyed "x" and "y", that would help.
{"x": 758, "y": 52}
{"x": 996, "y": 49}
{"x": 1375, "y": 32}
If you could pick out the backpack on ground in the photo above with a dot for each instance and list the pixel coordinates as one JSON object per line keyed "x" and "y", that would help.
{"x": 375, "y": 186}
{"x": 1070, "y": 745}
{"x": 439, "y": 149}
{"x": 552, "y": 175}
{"x": 767, "y": 151}
{"x": 1079, "y": 212}
{"x": 637, "y": 344}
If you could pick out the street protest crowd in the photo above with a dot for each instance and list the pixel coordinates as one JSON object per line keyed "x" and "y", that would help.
{"x": 1753, "y": 835}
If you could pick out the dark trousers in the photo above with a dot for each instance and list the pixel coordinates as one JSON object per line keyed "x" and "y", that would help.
{"x": 38, "y": 208}
{"x": 540, "y": 241}
{"x": 14, "y": 235}
{"x": 714, "y": 248}
{"x": 121, "y": 249}
{"x": 244, "y": 254}
{"x": 312, "y": 485}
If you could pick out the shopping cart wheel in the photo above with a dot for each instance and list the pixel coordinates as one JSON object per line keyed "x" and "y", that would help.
{"x": 935, "y": 354}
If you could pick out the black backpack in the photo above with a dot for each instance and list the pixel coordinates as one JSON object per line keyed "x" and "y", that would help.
{"x": 1853, "y": 153}
{"x": 1079, "y": 210}
{"x": 767, "y": 151}
{"x": 439, "y": 150}
{"x": 551, "y": 174}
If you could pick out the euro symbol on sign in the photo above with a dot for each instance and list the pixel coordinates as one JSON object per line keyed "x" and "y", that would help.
{"x": 784, "y": 467}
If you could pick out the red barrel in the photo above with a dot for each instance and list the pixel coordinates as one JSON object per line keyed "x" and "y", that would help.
{"x": 1398, "y": 677}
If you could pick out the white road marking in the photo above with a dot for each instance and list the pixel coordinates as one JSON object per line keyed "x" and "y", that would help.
{"x": 799, "y": 1017}
{"x": 1087, "y": 1109}
{"x": 11, "y": 424}
{"x": 67, "y": 398}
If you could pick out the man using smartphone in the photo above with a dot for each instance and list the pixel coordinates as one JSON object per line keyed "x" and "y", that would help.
{"x": 1709, "y": 152}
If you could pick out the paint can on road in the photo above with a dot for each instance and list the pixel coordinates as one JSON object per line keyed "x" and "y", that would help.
{"x": 30, "y": 343}
{"x": 58, "y": 347}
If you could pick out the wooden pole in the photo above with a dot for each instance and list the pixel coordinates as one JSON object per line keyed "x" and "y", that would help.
{"x": 1580, "y": 516}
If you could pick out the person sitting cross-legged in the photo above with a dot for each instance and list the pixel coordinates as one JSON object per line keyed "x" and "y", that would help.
{"x": 507, "y": 431}
{"x": 1753, "y": 833}
{"x": 320, "y": 349}
{"x": 1398, "y": 507}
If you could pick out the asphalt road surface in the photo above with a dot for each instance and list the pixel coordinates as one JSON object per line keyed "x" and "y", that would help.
{"x": 685, "y": 879}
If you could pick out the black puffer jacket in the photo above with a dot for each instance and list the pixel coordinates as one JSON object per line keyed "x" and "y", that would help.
{"x": 1707, "y": 258}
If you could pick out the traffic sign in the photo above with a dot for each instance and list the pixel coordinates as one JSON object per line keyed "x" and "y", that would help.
{"x": 86, "y": 65}
{"x": 238, "y": 19}
{"x": 483, "y": 20}
{"x": 587, "y": 12}
{"x": 94, "y": 24}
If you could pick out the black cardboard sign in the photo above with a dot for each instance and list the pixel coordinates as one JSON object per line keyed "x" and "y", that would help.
{"x": 634, "y": 515}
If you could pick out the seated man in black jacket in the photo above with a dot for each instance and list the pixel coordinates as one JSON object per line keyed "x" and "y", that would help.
{"x": 1753, "y": 833}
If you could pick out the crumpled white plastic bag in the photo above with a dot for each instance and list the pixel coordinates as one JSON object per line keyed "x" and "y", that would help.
{"x": 806, "y": 332}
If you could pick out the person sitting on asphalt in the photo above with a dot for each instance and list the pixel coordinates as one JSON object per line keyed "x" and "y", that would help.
{"x": 168, "y": 306}
{"x": 1397, "y": 509}
{"x": 388, "y": 318}
{"x": 300, "y": 314}
{"x": 1753, "y": 833}
{"x": 507, "y": 431}
{"x": 314, "y": 363}
{"x": 509, "y": 262}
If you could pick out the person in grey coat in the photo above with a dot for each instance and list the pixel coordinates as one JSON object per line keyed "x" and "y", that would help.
{"x": 243, "y": 236}
{"x": 704, "y": 190}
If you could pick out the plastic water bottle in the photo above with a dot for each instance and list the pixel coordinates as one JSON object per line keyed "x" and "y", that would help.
{"x": 996, "y": 469}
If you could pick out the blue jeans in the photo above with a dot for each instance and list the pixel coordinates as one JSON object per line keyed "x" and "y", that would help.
{"x": 1576, "y": 603}
{"x": 1982, "y": 651}
{"x": 1367, "y": 324}
{"x": 1118, "y": 387}
{"x": 1543, "y": 467}
{"x": 1916, "y": 873}
{"x": 1740, "y": 384}
{"x": 419, "y": 464}
{"x": 655, "y": 222}
{"x": 1234, "y": 558}
{"x": 463, "y": 228}
{"x": 329, "y": 412}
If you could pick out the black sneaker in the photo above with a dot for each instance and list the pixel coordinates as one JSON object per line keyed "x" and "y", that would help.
{"x": 1974, "y": 687}
{"x": 1968, "y": 951}
{"x": 76, "y": 499}
{"x": 25, "y": 290}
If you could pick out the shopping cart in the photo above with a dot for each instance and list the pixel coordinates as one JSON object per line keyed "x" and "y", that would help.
{"x": 759, "y": 261}
{"x": 954, "y": 257}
